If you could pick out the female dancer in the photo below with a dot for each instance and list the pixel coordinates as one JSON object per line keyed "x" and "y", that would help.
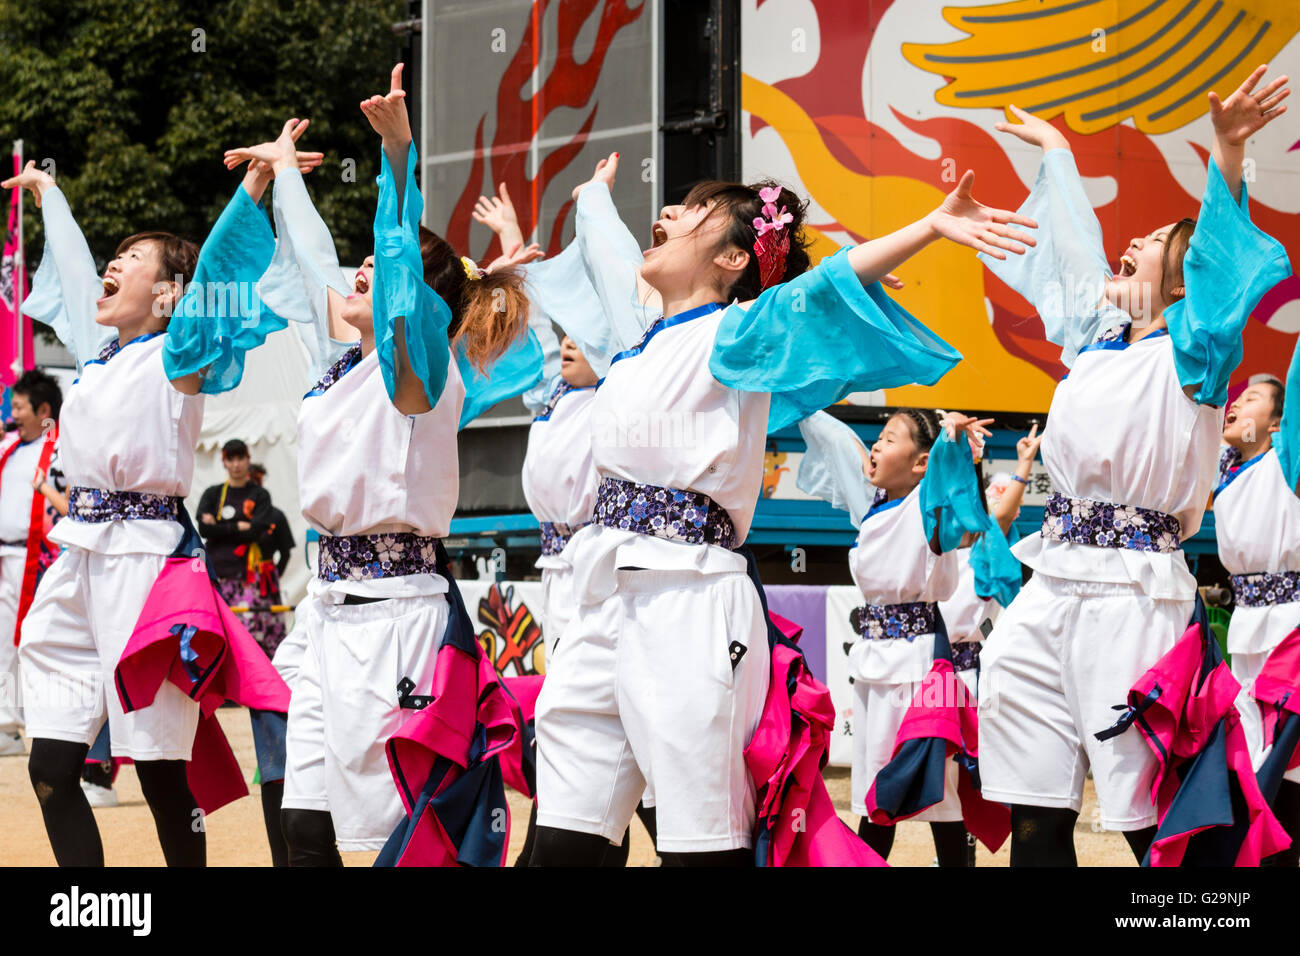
{"x": 661, "y": 675}
{"x": 129, "y": 427}
{"x": 1257, "y": 520}
{"x": 378, "y": 476}
{"x": 915, "y": 500}
{"x": 1131, "y": 451}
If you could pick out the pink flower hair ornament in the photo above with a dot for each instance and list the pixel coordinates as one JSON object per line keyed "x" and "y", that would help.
{"x": 772, "y": 244}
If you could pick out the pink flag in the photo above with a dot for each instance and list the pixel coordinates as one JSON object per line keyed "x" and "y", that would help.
{"x": 15, "y": 329}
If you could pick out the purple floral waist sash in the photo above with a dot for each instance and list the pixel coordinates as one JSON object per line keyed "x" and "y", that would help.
{"x": 1107, "y": 525}
{"x": 365, "y": 557}
{"x": 96, "y": 504}
{"x": 1266, "y": 588}
{"x": 555, "y": 536}
{"x": 686, "y": 516}
{"x": 883, "y": 622}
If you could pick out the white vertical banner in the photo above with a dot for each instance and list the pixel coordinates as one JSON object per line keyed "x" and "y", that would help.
{"x": 840, "y": 636}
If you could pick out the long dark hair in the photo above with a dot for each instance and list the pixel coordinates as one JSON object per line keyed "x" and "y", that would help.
{"x": 741, "y": 205}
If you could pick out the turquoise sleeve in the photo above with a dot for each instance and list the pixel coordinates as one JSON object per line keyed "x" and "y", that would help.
{"x": 813, "y": 340}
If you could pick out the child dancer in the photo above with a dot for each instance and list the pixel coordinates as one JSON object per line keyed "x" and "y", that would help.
{"x": 913, "y": 484}
{"x": 1131, "y": 452}
{"x": 378, "y": 476}
{"x": 128, "y": 432}
{"x": 1257, "y": 520}
{"x": 662, "y": 673}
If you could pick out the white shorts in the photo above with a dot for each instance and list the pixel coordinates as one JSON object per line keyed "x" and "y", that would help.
{"x": 12, "y": 565}
{"x": 878, "y": 711}
{"x": 84, "y": 612}
{"x": 344, "y": 706}
{"x": 1246, "y": 667}
{"x": 557, "y": 606}
{"x": 643, "y": 688}
{"x": 1058, "y": 661}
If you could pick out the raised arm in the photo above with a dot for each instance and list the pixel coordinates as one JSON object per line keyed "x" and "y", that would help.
{"x": 67, "y": 285}
{"x": 219, "y": 319}
{"x": 613, "y": 259}
{"x": 1008, "y": 506}
{"x": 833, "y": 466}
{"x": 1230, "y": 262}
{"x": 961, "y": 218}
{"x": 952, "y": 507}
{"x": 1064, "y": 276}
{"x": 1239, "y": 117}
{"x": 410, "y": 319}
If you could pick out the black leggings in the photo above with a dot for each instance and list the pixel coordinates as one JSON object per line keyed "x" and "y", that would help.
{"x": 555, "y": 847}
{"x": 55, "y": 769}
{"x": 309, "y": 837}
{"x": 952, "y": 843}
{"x": 1044, "y": 836}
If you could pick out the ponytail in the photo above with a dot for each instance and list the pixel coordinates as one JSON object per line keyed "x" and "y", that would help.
{"x": 488, "y": 314}
{"x": 492, "y": 314}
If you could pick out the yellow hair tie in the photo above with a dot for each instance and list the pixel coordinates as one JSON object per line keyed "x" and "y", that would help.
{"x": 470, "y": 267}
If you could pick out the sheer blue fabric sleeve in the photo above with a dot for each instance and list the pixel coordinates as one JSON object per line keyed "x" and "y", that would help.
{"x": 612, "y": 259}
{"x": 813, "y": 340}
{"x": 1287, "y": 440}
{"x": 400, "y": 293}
{"x": 548, "y": 375}
{"x": 67, "y": 284}
{"x": 1229, "y": 265}
{"x": 1063, "y": 276}
{"x": 220, "y": 318}
{"x": 303, "y": 269}
{"x": 831, "y": 468}
{"x": 561, "y": 291}
{"x": 997, "y": 572}
{"x": 517, "y": 370}
{"x": 952, "y": 505}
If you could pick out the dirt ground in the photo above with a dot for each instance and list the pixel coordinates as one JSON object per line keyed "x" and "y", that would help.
{"x": 236, "y": 836}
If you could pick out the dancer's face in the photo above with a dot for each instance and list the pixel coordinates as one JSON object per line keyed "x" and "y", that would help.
{"x": 133, "y": 289}
{"x": 574, "y": 367}
{"x": 357, "y": 308}
{"x": 30, "y": 420}
{"x": 895, "y": 463}
{"x": 1250, "y": 419}
{"x": 684, "y": 256}
{"x": 1137, "y": 288}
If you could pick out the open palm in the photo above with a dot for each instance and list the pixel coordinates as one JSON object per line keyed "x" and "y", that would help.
{"x": 965, "y": 220}
{"x": 1246, "y": 112}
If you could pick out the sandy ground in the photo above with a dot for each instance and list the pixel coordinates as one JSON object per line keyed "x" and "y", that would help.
{"x": 236, "y": 836}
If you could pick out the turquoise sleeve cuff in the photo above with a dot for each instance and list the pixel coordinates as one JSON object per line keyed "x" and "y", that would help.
{"x": 517, "y": 371}
{"x": 813, "y": 340}
{"x": 1230, "y": 264}
{"x": 400, "y": 292}
{"x": 220, "y": 317}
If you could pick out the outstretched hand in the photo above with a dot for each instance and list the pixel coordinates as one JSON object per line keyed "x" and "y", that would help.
{"x": 605, "y": 172}
{"x": 517, "y": 255}
{"x": 976, "y": 432}
{"x": 1027, "y": 447}
{"x": 1032, "y": 130}
{"x": 496, "y": 212}
{"x": 34, "y": 180}
{"x": 965, "y": 220}
{"x": 387, "y": 113}
{"x": 1246, "y": 112}
{"x": 280, "y": 154}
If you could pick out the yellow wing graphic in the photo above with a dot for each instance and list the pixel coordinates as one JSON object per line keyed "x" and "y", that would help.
{"x": 1100, "y": 62}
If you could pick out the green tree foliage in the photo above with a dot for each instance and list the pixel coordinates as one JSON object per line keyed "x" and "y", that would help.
{"x": 135, "y": 101}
